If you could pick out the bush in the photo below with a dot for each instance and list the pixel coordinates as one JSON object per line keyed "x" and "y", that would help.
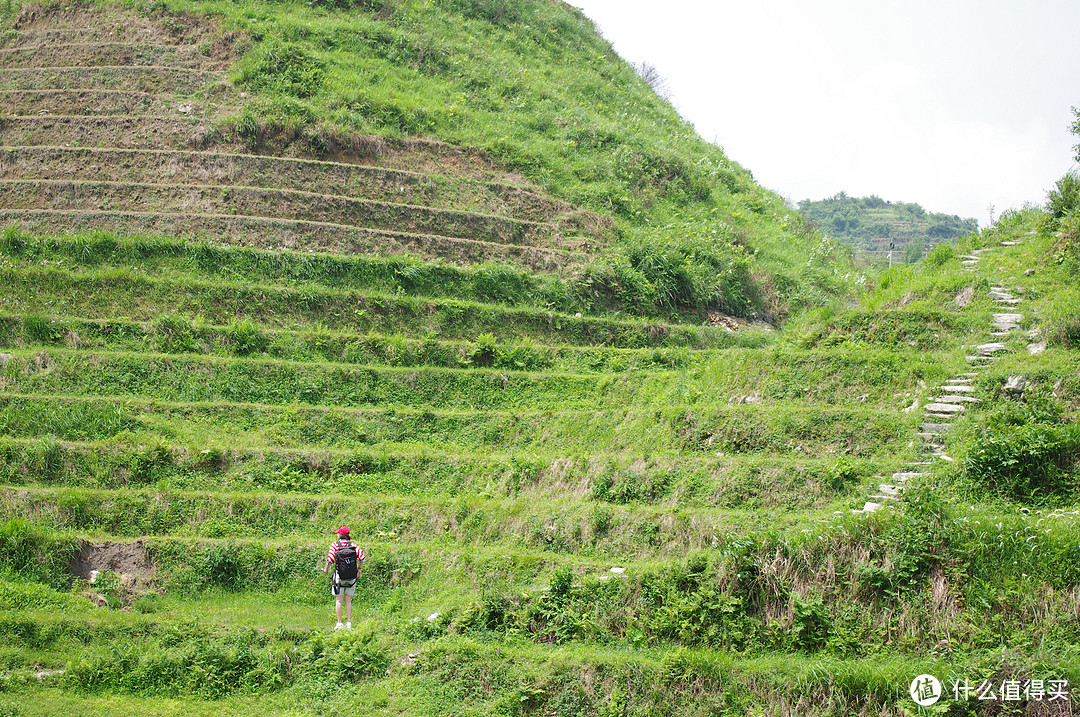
{"x": 1027, "y": 463}
{"x": 284, "y": 68}
{"x": 940, "y": 254}
{"x": 247, "y": 338}
{"x": 33, "y": 555}
{"x": 1064, "y": 198}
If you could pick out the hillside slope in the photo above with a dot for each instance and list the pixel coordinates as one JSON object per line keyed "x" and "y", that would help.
{"x": 505, "y": 339}
{"x": 877, "y": 227}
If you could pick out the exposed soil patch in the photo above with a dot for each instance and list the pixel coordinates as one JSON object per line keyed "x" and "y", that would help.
{"x": 128, "y": 560}
{"x": 71, "y": 22}
{"x": 107, "y": 54}
{"x": 140, "y": 132}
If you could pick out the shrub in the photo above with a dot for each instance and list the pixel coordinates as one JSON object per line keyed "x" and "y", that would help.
{"x": 247, "y": 338}
{"x": 175, "y": 334}
{"x": 1064, "y": 198}
{"x": 32, "y": 554}
{"x": 484, "y": 350}
{"x": 284, "y": 68}
{"x": 1027, "y": 463}
{"x": 940, "y": 254}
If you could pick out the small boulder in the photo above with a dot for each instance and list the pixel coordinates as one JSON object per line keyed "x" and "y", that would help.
{"x": 1014, "y": 385}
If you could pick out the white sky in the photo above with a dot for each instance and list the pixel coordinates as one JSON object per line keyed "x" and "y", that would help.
{"x": 954, "y": 104}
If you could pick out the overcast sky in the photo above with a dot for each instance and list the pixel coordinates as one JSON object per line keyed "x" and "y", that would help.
{"x": 954, "y": 104}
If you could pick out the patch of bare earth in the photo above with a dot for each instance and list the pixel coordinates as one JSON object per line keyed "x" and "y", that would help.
{"x": 129, "y": 561}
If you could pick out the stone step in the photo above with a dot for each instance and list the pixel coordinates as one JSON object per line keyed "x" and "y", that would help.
{"x": 887, "y": 489}
{"x": 943, "y": 408}
{"x": 957, "y": 399}
{"x": 936, "y": 427}
{"x": 870, "y": 507}
{"x": 1010, "y": 302}
{"x": 958, "y": 388}
{"x": 904, "y": 475}
{"x": 992, "y": 347}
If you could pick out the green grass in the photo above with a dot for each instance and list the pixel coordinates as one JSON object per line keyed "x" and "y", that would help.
{"x": 547, "y": 97}
{"x": 496, "y": 452}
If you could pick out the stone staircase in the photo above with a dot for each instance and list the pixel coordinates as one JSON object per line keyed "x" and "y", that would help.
{"x": 954, "y": 396}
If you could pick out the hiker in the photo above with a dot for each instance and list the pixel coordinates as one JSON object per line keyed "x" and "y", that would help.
{"x": 346, "y": 559}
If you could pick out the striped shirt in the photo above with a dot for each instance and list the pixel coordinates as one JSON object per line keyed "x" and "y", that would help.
{"x": 331, "y": 556}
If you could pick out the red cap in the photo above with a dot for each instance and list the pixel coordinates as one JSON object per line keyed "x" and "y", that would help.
{"x": 343, "y": 530}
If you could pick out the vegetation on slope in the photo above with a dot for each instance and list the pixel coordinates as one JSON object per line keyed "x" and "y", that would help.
{"x": 204, "y": 415}
{"x": 532, "y": 86}
{"x": 876, "y": 227}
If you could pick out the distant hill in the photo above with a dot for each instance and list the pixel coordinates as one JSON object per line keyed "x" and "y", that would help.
{"x": 872, "y": 225}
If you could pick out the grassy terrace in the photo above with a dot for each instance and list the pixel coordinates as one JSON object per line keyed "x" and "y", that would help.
{"x": 451, "y": 274}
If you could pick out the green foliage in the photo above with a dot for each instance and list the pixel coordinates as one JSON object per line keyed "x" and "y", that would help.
{"x": 18, "y": 595}
{"x": 940, "y": 254}
{"x": 345, "y": 657}
{"x": 1064, "y": 199}
{"x": 185, "y": 660}
{"x": 1075, "y": 129}
{"x": 248, "y": 338}
{"x": 110, "y": 586}
{"x": 1033, "y": 463}
{"x": 681, "y": 275}
{"x": 176, "y": 334}
{"x": 33, "y": 554}
{"x": 288, "y": 68}
{"x": 873, "y": 224}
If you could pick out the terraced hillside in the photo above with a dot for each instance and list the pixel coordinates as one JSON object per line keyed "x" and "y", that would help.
{"x": 571, "y": 503}
{"x": 114, "y": 122}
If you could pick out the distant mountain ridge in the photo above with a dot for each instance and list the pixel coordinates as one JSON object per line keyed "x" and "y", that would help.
{"x": 873, "y": 225}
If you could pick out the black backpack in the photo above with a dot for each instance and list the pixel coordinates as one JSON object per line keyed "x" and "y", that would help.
{"x": 345, "y": 562}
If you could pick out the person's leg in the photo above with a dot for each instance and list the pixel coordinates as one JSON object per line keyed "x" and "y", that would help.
{"x": 337, "y": 607}
{"x": 348, "y": 610}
